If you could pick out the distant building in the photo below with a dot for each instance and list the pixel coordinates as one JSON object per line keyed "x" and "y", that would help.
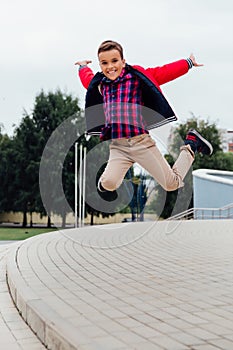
{"x": 213, "y": 193}
{"x": 227, "y": 140}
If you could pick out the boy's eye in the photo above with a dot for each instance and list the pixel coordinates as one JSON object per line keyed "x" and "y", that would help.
{"x": 114, "y": 60}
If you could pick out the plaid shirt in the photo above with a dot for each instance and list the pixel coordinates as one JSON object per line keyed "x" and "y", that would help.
{"x": 122, "y": 99}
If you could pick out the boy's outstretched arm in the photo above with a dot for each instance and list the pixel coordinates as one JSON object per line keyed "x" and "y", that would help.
{"x": 85, "y": 73}
{"x": 171, "y": 71}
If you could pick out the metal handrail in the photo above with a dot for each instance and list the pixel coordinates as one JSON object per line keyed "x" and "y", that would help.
{"x": 225, "y": 212}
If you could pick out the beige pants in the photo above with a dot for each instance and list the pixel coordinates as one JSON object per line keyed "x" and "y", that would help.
{"x": 142, "y": 149}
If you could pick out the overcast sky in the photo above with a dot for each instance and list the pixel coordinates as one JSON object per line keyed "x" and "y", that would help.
{"x": 41, "y": 40}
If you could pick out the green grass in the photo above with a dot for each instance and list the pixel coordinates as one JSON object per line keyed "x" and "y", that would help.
{"x": 18, "y": 233}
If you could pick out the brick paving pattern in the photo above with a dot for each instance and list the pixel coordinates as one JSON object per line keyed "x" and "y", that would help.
{"x": 160, "y": 286}
{"x": 14, "y": 333}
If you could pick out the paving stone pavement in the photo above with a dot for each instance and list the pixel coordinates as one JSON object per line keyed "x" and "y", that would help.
{"x": 161, "y": 286}
{"x": 15, "y": 334}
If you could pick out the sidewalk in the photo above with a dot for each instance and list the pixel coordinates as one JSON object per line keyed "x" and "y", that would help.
{"x": 160, "y": 286}
{"x": 15, "y": 334}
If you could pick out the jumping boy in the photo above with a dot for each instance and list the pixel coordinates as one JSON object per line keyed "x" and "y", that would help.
{"x": 133, "y": 103}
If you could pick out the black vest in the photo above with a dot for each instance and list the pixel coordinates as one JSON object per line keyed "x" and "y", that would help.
{"x": 156, "y": 110}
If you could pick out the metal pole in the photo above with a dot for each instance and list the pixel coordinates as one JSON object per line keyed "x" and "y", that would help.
{"x": 80, "y": 185}
{"x": 84, "y": 184}
{"x": 76, "y": 185}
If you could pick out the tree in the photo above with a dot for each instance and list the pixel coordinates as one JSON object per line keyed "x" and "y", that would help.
{"x": 51, "y": 112}
{"x": 21, "y": 155}
{"x": 180, "y": 200}
{"x": 26, "y": 168}
{"x": 59, "y": 119}
{"x": 7, "y": 173}
{"x": 44, "y": 140}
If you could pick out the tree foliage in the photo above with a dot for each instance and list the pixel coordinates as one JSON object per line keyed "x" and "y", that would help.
{"x": 55, "y": 116}
{"x": 7, "y": 175}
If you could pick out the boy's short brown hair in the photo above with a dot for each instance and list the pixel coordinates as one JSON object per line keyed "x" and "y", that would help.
{"x": 110, "y": 45}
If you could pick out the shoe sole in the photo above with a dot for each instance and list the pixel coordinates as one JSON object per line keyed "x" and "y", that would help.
{"x": 203, "y": 140}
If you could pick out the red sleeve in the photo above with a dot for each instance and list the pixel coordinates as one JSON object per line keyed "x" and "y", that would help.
{"x": 85, "y": 75}
{"x": 169, "y": 71}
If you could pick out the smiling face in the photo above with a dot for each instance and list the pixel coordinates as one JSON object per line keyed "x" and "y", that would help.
{"x": 111, "y": 63}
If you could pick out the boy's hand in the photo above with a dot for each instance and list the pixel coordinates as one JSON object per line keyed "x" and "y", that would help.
{"x": 83, "y": 63}
{"x": 194, "y": 61}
